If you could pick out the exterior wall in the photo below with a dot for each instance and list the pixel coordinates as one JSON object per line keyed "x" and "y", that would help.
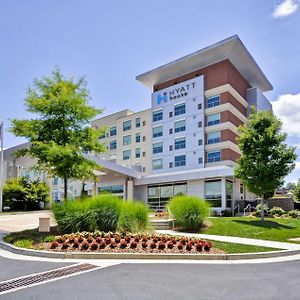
{"x": 229, "y": 154}
{"x": 143, "y": 163}
{"x": 257, "y": 99}
{"x": 192, "y": 134}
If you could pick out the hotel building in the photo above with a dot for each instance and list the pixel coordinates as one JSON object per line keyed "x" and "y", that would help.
{"x": 186, "y": 141}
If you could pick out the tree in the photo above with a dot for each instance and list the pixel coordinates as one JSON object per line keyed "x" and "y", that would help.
{"x": 265, "y": 158}
{"x": 60, "y": 133}
{"x": 296, "y": 191}
{"x": 290, "y": 186}
{"x": 22, "y": 193}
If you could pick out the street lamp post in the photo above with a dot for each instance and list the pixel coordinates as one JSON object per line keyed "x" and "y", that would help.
{"x": 1, "y": 167}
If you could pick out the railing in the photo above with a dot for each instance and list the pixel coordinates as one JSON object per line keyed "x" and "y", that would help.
{"x": 238, "y": 210}
{"x": 247, "y": 207}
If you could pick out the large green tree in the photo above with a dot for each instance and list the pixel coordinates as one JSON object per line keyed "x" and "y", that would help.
{"x": 265, "y": 158}
{"x": 59, "y": 133}
{"x": 296, "y": 191}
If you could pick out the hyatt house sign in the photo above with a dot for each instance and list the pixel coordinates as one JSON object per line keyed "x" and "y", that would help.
{"x": 177, "y": 93}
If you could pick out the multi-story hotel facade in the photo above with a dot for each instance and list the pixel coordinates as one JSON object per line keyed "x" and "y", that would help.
{"x": 186, "y": 141}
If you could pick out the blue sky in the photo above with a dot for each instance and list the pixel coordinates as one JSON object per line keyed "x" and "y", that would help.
{"x": 110, "y": 42}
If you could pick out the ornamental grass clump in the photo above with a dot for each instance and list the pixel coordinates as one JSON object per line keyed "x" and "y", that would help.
{"x": 106, "y": 213}
{"x": 189, "y": 211}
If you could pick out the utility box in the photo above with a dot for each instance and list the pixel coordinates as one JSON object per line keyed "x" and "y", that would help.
{"x": 44, "y": 224}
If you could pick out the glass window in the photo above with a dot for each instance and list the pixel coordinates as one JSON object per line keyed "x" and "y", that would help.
{"x": 179, "y": 143}
{"x": 229, "y": 193}
{"x": 157, "y": 131}
{"x": 213, "y": 193}
{"x": 179, "y": 126}
{"x": 242, "y": 191}
{"x": 138, "y": 137}
{"x": 179, "y": 160}
{"x": 157, "y": 115}
{"x": 117, "y": 189}
{"x": 157, "y": 164}
{"x": 127, "y": 140}
{"x": 213, "y": 156}
{"x": 213, "y": 119}
{"x": 55, "y": 180}
{"x": 126, "y": 154}
{"x": 102, "y": 136}
{"x": 157, "y": 147}
{"x": 127, "y": 125}
{"x": 179, "y": 109}
{"x": 180, "y": 189}
{"x": 166, "y": 191}
{"x": 113, "y": 131}
{"x": 137, "y": 152}
{"x": 213, "y": 101}
{"x": 138, "y": 122}
{"x": 153, "y": 192}
{"x": 213, "y": 137}
{"x": 113, "y": 145}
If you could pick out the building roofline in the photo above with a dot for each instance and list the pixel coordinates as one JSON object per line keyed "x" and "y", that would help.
{"x": 231, "y": 48}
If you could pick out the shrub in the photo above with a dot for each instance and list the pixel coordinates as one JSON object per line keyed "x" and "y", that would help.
{"x": 133, "y": 217}
{"x": 258, "y": 210}
{"x": 226, "y": 213}
{"x": 294, "y": 213}
{"x": 105, "y": 213}
{"x": 277, "y": 211}
{"x": 24, "y": 243}
{"x": 189, "y": 211}
{"x": 54, "y": 245}
{"x": 161, "y": 245}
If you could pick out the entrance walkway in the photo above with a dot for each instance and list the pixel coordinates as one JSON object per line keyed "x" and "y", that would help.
{"x": 236, "y": 240}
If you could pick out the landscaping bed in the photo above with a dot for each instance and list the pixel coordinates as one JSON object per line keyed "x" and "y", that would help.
{"x": 128, "y": 243}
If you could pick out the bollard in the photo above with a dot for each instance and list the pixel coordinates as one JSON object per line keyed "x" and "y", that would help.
{"x": 44, "y": 224}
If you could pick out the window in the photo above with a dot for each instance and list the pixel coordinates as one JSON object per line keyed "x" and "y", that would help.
{"x": 179, "y": 160}
{"x": 170, "y": 114}
{"x": 171, "y": 148}
{"x": 144, "y": 138}
{"x": 115, "y": 189}
{"x": 180, "y": 189}
{"x": 179, "y": 109}
{"x": 199, "y": 142}
{"x": 137, "y": 152}
{"x": 200, "y": 106}
{"x": 113, "y": 145}
{"x": 170, "y": 165}
{"x": 144, "y": 123}
{"x": 213, "y": 192}
{"x": 138, "y": 137}
{"x": 213, "y": 156}
{"x": 171, "y": 131}
{"x": 157, "y": 164}
{"x": 213, "y": 137}
{"x": 126, "y": 154}
{"x": 102, "y": 136}
{"x": 200, "y": 160}
{"x": 157, "y": 131}
{"x": 213, "y": 101}
{"x": 179, "y": 143}
{"x": 157, "y": 147}
{"x": 127, "y": 125}
{"x": 179, "y": 126}
{"x": 113, "y": 131}
{"x": 157, "y": 115}
{"x": 144, "y": 153}
{"x": 213, "y": 119}
{"x": 138, "y": 122}
{"x": 199, "y": 124}
{"x": 127, "y": 140}
{"x": 229, "y": 193}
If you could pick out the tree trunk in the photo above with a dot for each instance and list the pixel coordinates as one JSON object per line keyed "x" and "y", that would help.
{"x": 262, "y": 212}
{"x": 65, "y": 189}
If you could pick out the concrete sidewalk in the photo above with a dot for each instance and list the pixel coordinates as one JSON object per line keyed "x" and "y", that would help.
{"x": 236, "y": 240}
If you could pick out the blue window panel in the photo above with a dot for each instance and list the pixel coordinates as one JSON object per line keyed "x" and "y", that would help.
{"x": 113, "y": 145}
{"x": 179, "y": 109}
{"x": 179, "y": 126}
{"x": 113, "y": 131}
{"x": 213, "y": 101}
{"x": 214, "y": 156}
{"x": 180, "y": 161}
{"x": 157, "y": 115}
{"x": 179, "y": 143}
{"x": 157, "y": 131}
{"x": 127, "y": 125}
{"x": 157, "y": 148}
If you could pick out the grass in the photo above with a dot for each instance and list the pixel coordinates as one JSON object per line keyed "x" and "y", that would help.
{"x": 271, "y": 229}
{"x": 31, "y": 238}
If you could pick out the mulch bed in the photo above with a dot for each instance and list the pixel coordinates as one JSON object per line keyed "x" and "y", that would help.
{"x": 128, "y": 243}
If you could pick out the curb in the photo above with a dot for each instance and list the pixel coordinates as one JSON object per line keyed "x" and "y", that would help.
{"x": 157, "y": 256}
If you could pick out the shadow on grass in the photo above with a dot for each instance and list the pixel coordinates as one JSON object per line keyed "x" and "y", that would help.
{"x": 265, "y": 224}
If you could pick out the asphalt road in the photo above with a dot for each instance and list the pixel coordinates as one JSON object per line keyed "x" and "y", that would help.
{"x": 163, "y": 281}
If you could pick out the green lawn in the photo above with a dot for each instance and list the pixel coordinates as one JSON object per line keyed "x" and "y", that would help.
{"x": 270, "y": 229}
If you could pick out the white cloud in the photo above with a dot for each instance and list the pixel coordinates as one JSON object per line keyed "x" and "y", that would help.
{"x": 287, "y": 108}
{"x": 286, "y": 8}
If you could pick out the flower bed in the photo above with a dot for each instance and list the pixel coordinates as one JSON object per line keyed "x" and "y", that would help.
{"x": 129, "y": 243}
